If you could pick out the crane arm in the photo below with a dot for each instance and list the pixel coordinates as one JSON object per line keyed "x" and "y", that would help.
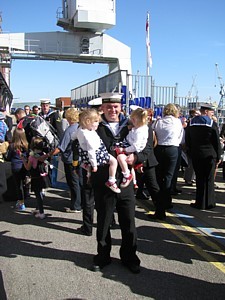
{"x": 219, "y": 77}
{"x": 222, "y": 88}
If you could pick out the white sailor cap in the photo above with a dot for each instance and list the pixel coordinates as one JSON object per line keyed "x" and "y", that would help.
{"x": 207, "y": 106}
{"x": 95, "y": 102}
{"x": 45, "y": 101}
{"x": 134, "y": 107}
{"x": 111, "y": 97}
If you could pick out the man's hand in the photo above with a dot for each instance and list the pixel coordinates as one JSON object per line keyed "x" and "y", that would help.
{"x": 94, "y": 169}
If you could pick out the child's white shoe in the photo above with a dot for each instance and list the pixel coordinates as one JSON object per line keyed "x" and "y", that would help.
{"x": 40, "y": 216}
{"x": 113, "y": 187}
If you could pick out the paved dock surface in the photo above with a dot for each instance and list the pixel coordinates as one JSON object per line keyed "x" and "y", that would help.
{"x": 181, "y": 258}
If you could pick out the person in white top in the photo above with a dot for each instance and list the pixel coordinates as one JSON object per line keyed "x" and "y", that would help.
{"x": 168, "y": 129}
{"x": 169, "y": 133}
{"x": 136, "y": 139}
{"x": 92, "y": 150}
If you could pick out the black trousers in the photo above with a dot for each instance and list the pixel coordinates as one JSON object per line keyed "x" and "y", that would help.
{"x": 39, "y": 199}
{"x": 176, "y": 171}
{"x": 72, "y": 180}
{"x": 87, "y": 201}
{"x": 149, "y": 178}
{"x": 204, "y": 172}
{"x": 167, "y": 158}
{"x": 106, "y": 201}
{"x": 19, "y": 177}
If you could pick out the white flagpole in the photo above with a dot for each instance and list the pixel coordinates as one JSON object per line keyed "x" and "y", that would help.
{"x": 148, "y": 50}
{"x": 148, "y": 54}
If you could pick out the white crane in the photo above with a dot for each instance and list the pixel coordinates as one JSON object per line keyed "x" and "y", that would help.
{"x": 222, "y": 88}
{"x": 193, "y": 86}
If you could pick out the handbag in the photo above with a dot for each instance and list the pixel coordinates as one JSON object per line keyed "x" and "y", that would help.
{"x": 4, "y": 147}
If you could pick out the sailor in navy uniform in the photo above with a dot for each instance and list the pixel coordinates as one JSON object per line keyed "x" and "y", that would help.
{"x": 203, "y": 145}
{"x": 113, "y": 130}
{"x": 52, "y": 116}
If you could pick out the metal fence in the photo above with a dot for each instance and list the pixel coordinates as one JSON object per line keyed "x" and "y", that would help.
{"x": 137, "y": 89}
{"x": 84, "y": 93}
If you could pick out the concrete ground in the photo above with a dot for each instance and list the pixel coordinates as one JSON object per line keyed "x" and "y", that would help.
{"x": 181, "y": 258}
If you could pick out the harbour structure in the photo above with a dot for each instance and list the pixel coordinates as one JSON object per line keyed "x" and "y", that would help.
{"x": 133, "y": 88}
{"x": 84, "y": 41}
{"x": 134, "y": 92}
{"x": 6, "y": 96}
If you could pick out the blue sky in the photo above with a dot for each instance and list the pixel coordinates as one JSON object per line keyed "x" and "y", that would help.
{"x": 187, "y": 39}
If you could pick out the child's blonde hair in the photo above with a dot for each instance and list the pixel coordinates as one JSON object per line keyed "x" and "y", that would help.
{"x": 141, "y": 115}
{"x": 72, "y": 115}
{"x": 88, "y": 116}
{"x": 19, "y": 139}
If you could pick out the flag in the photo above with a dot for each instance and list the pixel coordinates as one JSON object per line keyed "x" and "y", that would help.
{"x": 149, "y": 55}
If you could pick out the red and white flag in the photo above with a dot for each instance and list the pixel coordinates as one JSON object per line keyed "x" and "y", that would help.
{"x": 149, "y": 55}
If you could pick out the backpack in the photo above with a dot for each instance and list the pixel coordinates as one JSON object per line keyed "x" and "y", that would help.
{"x": 37, "y": 126}
{"x": 41, "y": 127}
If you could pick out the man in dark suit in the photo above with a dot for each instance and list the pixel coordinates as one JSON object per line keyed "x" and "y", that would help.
{"x": 203, "y": 145}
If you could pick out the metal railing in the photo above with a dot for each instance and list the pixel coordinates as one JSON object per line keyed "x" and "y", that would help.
{"x": 137, "y": 89}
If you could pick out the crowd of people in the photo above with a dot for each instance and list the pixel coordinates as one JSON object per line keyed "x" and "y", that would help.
{"x": 109, "y": 158}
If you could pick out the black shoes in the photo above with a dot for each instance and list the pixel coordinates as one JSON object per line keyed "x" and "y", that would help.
{"x": 211, "y": 206}
{"x": 141, "y": 196}
{"x": 96, "y": 267}
{"x": 134, "y": 268}
{"x": 169, "y": 206}
{"x": 188, "y": 183}
{"x": 156, "y": 216}
{"x": 194, "y": 205}
{"x": 82, "y": 231}
{"x": 175, "y": 192}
